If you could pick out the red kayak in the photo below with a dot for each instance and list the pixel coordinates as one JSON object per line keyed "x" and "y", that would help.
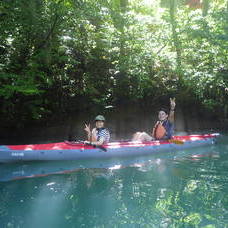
{"x": 78, "y": 150}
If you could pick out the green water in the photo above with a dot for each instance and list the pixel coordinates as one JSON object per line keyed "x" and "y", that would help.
{"x": 188, "y": 190}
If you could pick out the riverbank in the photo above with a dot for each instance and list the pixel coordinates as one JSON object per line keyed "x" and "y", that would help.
{"x": 122, "y": 122}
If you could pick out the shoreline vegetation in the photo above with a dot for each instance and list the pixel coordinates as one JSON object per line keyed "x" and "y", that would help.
{"x": 61, "y": 59}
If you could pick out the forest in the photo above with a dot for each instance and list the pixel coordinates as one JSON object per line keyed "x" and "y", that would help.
{"x": 69, "y": 56}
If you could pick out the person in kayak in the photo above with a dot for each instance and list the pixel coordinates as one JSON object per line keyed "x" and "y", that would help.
{"x": 99, "y": 135}
{"x": 163, "y": 129}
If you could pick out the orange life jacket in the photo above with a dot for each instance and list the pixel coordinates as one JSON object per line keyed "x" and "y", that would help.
{"x": 158, "y": 131}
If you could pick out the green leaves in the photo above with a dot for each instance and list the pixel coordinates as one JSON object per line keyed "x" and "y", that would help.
{"x": 105, "y": 51}
{"x": 14, "y": 85}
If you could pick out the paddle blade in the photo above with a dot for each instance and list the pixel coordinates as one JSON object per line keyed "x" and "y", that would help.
{"x": 176, "y": 141}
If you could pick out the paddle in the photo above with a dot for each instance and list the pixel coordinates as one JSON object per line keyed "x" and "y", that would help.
{"x": 176, "y": 141}
{"x": 96, "y": 146}
{"x": 74, "y": 143}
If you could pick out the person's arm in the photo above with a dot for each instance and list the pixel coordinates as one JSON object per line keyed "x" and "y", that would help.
{"x": 100, "y": 142}
{"x": 172, "y": 110}
{"x": 91, "y": 135}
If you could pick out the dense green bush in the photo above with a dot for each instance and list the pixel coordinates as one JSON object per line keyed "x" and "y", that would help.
{"x": 56, "y": 56}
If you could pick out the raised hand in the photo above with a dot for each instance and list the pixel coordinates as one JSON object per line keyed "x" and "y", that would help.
{"x": 172, "y": 103}
{"x": 87, "y": 128}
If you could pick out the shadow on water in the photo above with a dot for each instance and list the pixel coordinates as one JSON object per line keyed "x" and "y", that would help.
{"x": 178, "y": 189}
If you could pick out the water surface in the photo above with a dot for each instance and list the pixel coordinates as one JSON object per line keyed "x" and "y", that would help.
{"x": 184, "y": 189}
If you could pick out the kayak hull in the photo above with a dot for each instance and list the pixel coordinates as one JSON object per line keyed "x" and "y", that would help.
{"x": 65, "y": 151}
{"x": 21, "y": 170}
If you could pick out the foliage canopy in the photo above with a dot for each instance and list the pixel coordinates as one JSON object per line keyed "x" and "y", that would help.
{"x": 63, "y": 55}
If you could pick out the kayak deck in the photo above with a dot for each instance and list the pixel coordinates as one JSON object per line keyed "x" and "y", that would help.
{"x": 74, "y": 145}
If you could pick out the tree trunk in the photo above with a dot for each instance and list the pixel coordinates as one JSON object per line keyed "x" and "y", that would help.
{"x": 176, "y": 41}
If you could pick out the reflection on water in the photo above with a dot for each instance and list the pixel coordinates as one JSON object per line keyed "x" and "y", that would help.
{"x": 185, "y": 189}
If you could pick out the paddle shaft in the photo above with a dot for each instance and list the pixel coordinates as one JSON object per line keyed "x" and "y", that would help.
{"x": 73, "y": 143}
